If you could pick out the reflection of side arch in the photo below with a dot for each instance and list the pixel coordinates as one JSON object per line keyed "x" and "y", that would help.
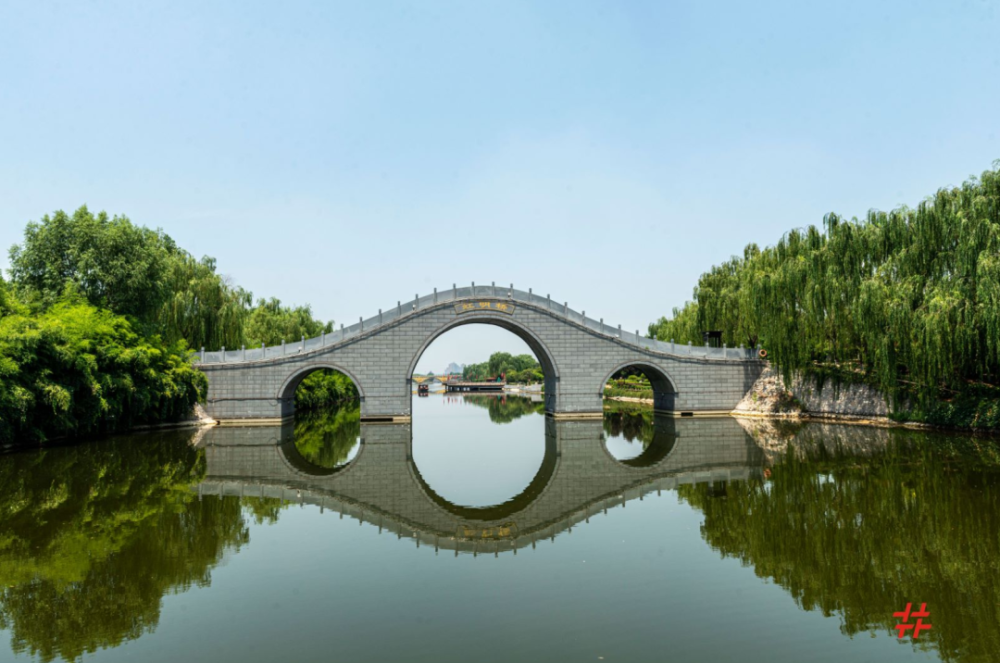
{"x": 512, "y": 506}
{"x": 294, "y": 460}
{"x": 287, "y": 390}
{"x": 659, "y": 449}
{"x": 664, "y": 392}
{"x": 542, "y": 353}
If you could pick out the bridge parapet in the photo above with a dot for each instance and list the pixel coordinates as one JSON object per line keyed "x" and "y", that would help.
{"x": 471, "y": 294}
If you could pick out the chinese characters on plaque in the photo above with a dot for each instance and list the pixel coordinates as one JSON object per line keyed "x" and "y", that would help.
{"x": 485, "y": 305}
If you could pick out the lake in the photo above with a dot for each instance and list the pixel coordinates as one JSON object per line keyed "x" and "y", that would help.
{"x": 486, "y": 531}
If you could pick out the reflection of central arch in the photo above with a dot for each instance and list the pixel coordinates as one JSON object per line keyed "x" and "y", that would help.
{"x": 664, "y": 392}
{"x": 542, "y": 354}
{"x": 499, "y": 511}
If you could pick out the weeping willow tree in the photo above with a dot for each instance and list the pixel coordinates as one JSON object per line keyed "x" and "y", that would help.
{"x": 908, "y": 300}
{"x": 204, "y": 308}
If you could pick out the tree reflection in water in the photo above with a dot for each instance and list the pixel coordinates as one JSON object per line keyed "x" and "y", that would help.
{"x": 633, "y": 423}
{"x": 861, "y": 529}
{"x": 505, "y": 408}
{"x": 852, "y": 521}
{"x": 328, "y": 438}
{"x": 93, "y": 536}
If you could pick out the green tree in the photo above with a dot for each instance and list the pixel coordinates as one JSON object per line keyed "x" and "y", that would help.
{"x": 132, "y": 271}
{"x": 204, "y": 308}
{"x": 271, "y": 323}
{"x": 113, "y": 263}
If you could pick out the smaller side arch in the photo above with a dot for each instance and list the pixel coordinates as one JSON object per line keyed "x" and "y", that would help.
{"x": 286, "y": 393}
{"x": 664, "y": 390}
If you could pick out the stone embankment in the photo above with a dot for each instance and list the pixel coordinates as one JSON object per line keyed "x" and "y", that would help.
{"x": 808, "y": 398}
{"x": 197, "y": 418}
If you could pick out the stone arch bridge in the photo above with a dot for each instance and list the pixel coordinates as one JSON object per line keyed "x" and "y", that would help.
{"x": 578, "y": 479}
{"x": 577, "y": 353}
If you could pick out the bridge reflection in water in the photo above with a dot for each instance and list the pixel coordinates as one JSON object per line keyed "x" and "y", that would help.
{"x": 577, "y": 480}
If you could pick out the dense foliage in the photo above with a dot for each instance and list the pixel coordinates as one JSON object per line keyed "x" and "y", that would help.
{"x": 522, "y": 369}
{"x": 75, "y": 369}
{"x": 908, "y": 300}
{"x": 323, "y": 389}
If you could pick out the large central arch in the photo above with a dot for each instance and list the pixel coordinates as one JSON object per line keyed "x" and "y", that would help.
{"x": 544, "y": 356}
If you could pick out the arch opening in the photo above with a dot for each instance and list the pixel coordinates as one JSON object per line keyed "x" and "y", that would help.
{"x": 478, "y": 427}
{"x": 325, "y": 434}
{"x": 547, "y": 385}
{"x": 641, "y": 384}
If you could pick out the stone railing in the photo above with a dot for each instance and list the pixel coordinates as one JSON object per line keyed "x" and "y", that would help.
{"x": 455, "y": 293}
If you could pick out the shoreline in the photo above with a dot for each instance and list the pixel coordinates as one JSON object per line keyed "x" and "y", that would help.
{"x": 834, "y": 417}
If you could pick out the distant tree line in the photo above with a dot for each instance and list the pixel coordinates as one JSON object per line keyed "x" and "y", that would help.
{"x": 520, "y": 369}
{"x": 907, "y": 300}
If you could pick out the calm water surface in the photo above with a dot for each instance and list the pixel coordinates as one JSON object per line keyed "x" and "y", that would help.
{"x": 485, "y": 531}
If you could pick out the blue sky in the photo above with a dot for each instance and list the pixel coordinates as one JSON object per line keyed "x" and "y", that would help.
{"x": 348, "y": 155}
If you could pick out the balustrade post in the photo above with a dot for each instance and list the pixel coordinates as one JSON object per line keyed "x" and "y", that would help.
{"x": 435, "y": 295}
{"x": 399, "y": 308}
{"x": 223, "y": 353}
{"x": 203, "y": 354}
{"x": 263, "y": 350}
{"x": 493, "y": 288}
{"x": 380, "y": 316}
{"x": 619, "y": 331}
{"x": 361, "y": 322}
{"x": 284, "y": 350}
{"x": 510, "y": 295}
{"x": 243, "y": 353}
{"x": 473, "y": 288}
{"x": 549, "y": 300}
{"x": 454, "y": 291}
{"x": 416, "y": 299}
{"x": 303, "y": 343}
{"x": 565, "y": 308}
{"x": 637, "y": 337}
